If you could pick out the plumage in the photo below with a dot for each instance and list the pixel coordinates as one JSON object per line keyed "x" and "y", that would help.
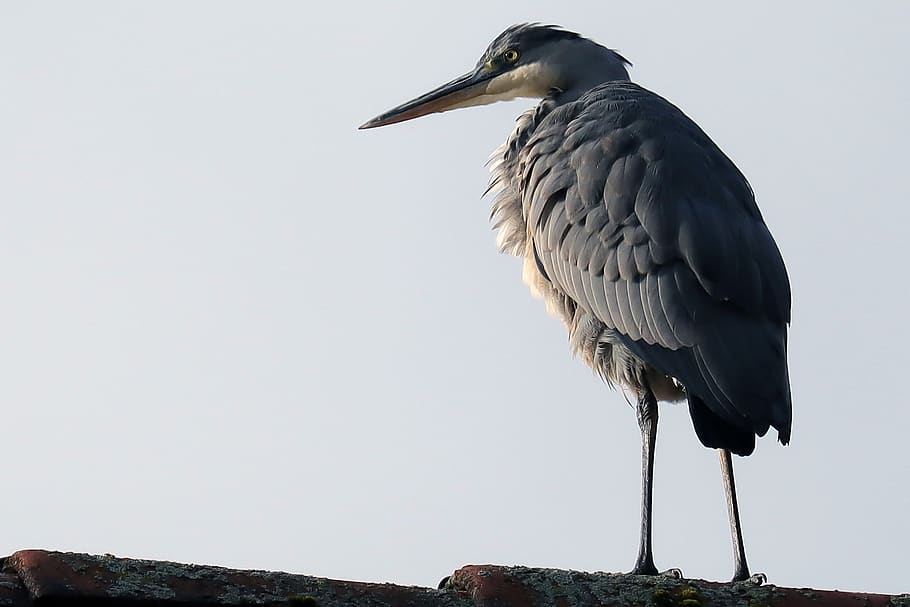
{"x": 715, "y": 260}
{"x": 642, "y": 237}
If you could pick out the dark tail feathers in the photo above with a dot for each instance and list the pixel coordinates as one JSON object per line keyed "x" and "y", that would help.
{"x": 716, "y": 433}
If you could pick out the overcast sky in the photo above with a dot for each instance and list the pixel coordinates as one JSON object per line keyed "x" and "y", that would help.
{"x": 235, "y": 330}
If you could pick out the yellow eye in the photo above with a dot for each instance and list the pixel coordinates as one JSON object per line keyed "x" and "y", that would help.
{"x": 510, "y": 56}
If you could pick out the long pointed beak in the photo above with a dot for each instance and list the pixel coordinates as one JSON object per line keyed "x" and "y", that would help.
{"x": 460, "y": 92}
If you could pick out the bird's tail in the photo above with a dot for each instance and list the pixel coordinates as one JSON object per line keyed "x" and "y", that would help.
{"x": 713, "y": 431}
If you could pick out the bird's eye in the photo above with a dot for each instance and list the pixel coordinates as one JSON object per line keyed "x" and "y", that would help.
{"x": 510, "y": 56}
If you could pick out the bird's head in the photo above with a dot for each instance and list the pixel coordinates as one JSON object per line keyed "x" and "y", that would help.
{"x": 527, "y": 60}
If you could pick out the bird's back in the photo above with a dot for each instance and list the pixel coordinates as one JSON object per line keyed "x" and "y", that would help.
{"x": 646, "y": 240}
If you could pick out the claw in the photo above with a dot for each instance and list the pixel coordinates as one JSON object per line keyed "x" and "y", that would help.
{"x": 673, "y": 572}
{"x": 758, "y": 578}
{"x": 443, "y": 583}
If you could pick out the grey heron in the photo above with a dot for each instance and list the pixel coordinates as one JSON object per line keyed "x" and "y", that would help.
{"x": 643, "y": 237}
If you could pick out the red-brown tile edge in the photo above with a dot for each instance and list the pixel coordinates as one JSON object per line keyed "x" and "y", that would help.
{"x": 71, "y": 578}
{"x": 495, "y": 585}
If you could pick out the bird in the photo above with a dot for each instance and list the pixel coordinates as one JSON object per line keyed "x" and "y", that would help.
{"x": 643, "y": 237}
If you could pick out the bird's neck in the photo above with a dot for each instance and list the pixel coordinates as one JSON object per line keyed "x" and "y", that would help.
{"x": 599, "y": 65}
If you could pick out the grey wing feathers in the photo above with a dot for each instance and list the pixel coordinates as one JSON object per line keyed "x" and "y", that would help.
{"x": 647, "y": 225}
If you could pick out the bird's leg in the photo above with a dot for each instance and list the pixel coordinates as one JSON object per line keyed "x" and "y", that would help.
{"x": 646, "y": 410}
{"x": 741, "y": 569}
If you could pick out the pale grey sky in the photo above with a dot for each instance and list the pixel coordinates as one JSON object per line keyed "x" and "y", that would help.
{"x": 237, "y": 331}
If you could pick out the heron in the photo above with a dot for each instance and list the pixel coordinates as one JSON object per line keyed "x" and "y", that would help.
{"x": 643, "y": 237}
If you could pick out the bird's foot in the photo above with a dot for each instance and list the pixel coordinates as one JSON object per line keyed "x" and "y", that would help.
{"x": 646, "y": 567}
{"x": 756, "y": 578}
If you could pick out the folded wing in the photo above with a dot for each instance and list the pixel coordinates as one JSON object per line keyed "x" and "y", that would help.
{"x": 638, "y": 216}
